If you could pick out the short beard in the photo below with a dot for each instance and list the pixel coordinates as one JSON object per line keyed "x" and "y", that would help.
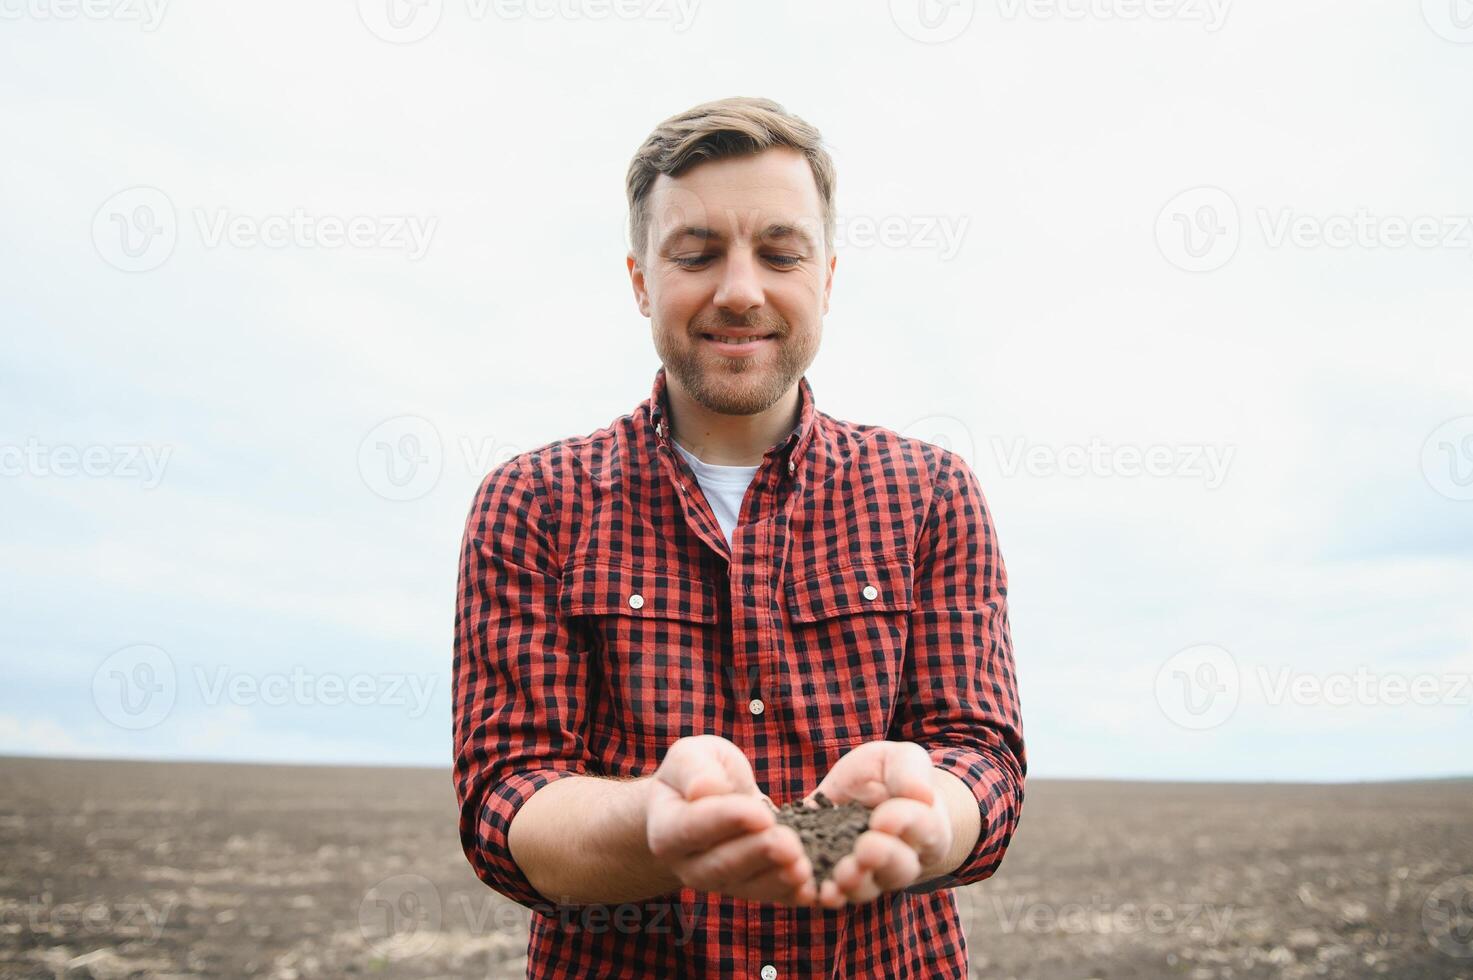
{"x": 734, "y": 386}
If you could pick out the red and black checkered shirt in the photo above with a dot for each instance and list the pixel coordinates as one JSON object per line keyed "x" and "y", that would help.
{"x": 602, "y": 615}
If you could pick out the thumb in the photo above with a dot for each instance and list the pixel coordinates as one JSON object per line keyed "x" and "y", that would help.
{"x": 718, "y": 767}
{"x": 908, "y": 772}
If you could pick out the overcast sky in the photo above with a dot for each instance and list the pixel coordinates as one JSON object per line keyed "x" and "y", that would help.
{"x": 1188, "y": 282}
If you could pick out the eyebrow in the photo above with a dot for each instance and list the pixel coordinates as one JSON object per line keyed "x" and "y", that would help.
{"x": 773, "y": 232}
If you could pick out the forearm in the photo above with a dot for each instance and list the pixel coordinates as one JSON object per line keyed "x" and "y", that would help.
{"x": 966, "y": 822}
{"x": 583, "y": 840}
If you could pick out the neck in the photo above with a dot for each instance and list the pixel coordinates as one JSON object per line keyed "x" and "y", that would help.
{"x": 729, "y": 440}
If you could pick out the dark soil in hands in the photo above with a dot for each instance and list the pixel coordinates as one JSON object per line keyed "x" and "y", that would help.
{"x": 828, "y": 830}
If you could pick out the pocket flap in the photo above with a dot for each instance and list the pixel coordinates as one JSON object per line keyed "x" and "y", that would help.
{"x": 600, "y": 590}
{"x": 880, "y": 583}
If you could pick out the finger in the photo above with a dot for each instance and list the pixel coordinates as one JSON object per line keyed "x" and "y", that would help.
{"x": 743, "y": 858}
{"x": 737, "y": 767}
{"x": 775, "y": 885}
{"x": 901, "y": 867}
{"x": 856, "y": 882}
{"x": 794, "y": 873}
{"x": 689, "y": 828}
{"x": 830, "y": 895}
{"x": 912, "y": 821}
{"x": 873, "y": 848}
{"x": 706, "y": 765}
{"x": 858, "y": 775}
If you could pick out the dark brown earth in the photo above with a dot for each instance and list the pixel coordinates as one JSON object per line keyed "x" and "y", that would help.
{"x": 111, "y": 869}
{"x": 826, "y": 829}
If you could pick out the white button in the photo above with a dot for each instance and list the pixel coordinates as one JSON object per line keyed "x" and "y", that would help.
{"x": 755, "y": 706}
{"x": 659, "y": 428}
{"x": 769, "y": 972}
{"x": 636, "y": 601}
{"x": 792, "y": 466}
{"x": 870, "y": 591}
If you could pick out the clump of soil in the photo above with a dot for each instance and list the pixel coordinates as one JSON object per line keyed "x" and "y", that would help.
{"x": 826, "y": 829}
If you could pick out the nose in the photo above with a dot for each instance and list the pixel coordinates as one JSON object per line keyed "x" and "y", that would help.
{"x": 740, "y": 289}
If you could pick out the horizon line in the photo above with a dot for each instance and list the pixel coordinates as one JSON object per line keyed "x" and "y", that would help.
{"x": 153, "y": 760}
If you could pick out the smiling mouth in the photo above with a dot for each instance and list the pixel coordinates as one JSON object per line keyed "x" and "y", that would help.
{"x": 736, "y": 341}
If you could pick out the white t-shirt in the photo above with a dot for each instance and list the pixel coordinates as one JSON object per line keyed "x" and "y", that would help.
{"x": 724, "y": 486}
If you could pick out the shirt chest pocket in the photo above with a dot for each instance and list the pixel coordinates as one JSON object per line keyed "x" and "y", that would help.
{"x": 655, "y": 639}
{"x": 848, "y": 631}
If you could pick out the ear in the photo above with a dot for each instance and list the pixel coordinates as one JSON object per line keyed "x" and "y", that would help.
{"x": 636, "y": 279}
{"x": 828, "y": 284}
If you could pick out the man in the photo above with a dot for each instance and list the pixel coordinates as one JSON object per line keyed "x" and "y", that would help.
{"x": 727, "y": 600}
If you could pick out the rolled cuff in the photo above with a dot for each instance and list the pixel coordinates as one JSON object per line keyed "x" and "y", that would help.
{"x": 997, "y": 785}
{"x": 484, "y": 834}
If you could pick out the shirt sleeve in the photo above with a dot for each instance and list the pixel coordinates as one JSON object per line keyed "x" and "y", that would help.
{"x": 520, "y": 675}
{"x": 960, "y": 698}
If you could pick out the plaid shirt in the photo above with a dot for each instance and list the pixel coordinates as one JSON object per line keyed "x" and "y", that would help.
{"x": 602, "y": 615}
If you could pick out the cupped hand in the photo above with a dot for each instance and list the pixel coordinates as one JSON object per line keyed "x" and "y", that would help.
{"x": 909, "y": 827}
{"x": 717, "y": 831}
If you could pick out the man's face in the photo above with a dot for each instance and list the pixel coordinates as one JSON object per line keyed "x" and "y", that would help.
{"x": 736, "y": 250}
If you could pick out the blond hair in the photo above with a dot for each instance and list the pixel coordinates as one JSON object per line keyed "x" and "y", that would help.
{"x": 718, "y": 130}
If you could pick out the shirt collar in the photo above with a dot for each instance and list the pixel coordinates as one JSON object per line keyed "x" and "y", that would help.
{"x": 794, "y": 447}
